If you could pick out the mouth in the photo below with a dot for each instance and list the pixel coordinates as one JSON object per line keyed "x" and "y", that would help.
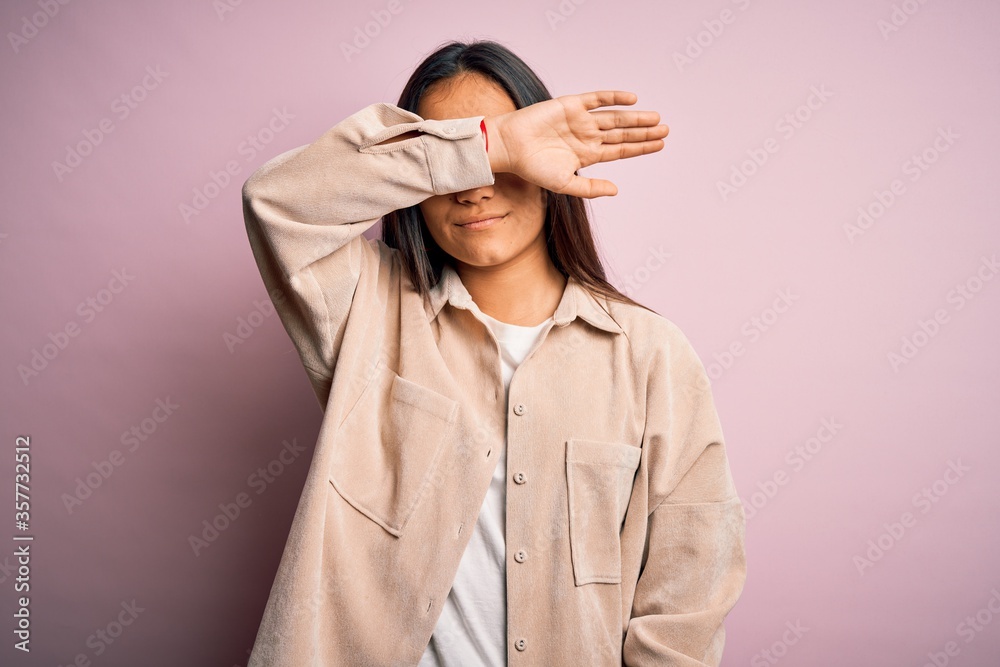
{"x": 482, "y": 223}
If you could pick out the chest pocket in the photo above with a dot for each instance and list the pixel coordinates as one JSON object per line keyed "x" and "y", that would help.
{"x": 388, "y": 447}
{"x": 599, "y": 478}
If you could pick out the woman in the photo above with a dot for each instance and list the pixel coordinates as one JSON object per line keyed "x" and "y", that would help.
{"x": 517, "y": 463}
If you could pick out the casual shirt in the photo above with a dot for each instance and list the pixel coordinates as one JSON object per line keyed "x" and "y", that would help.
{"x": 472, "y": 629}
{"x": 624, "y": 533}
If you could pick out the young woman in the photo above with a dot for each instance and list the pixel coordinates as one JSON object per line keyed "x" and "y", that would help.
{"x": 517, "y": 464}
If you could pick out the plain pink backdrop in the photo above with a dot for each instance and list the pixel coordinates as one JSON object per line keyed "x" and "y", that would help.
{"x": 733, "y": 80}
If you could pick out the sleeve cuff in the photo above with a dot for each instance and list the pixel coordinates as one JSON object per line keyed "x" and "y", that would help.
{"x": 456, "y": 154}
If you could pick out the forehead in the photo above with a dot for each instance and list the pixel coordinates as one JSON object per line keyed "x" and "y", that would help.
{"x": 463, "y": 96}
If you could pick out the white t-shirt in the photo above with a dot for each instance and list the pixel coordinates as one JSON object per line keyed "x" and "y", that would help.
{"x": 472, "y": 628}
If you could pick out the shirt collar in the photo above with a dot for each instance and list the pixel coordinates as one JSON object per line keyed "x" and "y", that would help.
{"x": 576, "y": 300}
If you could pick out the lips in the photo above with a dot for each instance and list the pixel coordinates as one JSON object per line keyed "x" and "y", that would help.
{"x": 481, "y": 222}
{"x": 481, "y": 218}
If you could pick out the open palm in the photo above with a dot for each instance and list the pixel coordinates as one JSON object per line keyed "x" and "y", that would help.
{"x": 547, "y": 142}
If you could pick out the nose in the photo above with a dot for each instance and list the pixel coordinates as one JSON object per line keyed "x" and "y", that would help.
{"x": 475, "y": 195}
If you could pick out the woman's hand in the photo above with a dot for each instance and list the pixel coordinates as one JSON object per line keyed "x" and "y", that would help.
{"x": 545, "y": 143}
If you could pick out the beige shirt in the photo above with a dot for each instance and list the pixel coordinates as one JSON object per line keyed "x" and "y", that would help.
{"x": 624, "y": 532}
{"x": 472, "y": 627}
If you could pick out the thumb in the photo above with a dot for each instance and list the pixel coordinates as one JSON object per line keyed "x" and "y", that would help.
{"x": 589, "y": 188}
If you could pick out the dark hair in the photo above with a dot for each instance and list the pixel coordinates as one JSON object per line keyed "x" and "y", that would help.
{"x": 567, "y": 225}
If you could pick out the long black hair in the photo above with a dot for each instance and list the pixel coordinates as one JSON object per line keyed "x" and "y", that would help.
{"x": 569, "y": 239}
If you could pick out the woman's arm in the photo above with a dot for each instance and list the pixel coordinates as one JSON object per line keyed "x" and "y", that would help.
{"x": 306, "y": 209}
{"x": 694, "y": 566}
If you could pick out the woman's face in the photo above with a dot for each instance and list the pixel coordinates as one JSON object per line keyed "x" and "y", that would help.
{"x": 520, "y": 205}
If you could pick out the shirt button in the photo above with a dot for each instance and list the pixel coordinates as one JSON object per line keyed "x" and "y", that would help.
{"x": 520, "y": 478}
{"x": 519, "y": 409}
{"x": 520, "y": 644}
{"x": 520, "y": 556}
{"x": 449, "y": 130}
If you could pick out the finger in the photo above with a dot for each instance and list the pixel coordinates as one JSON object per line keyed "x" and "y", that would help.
{"x": 632, "y": 135}
{"x": 606, "y": 98}
{"x": 611, "y": 152}
{"x": 608, "y": 120}
{"x": 589, "y": 188}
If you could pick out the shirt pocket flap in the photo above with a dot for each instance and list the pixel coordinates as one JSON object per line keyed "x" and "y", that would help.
{"x": 388, "y": 446}
{"x": 599, "y": 479}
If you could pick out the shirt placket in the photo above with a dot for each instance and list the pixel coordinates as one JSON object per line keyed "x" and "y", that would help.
{"x": 521, "y": 426}
{"x": 522, "y": 489}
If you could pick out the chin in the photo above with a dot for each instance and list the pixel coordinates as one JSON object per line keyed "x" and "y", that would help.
{"x": 483, "y": 262}
{"x": 482, "y": 258}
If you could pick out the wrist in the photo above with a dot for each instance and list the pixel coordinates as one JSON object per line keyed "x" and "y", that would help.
{"x": 495, "y": 149}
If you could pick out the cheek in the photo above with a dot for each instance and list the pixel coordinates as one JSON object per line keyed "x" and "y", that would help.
{"x": 528, "y": 192}
{"x": 434, "y": 209}
{"x": 527, "y": 197}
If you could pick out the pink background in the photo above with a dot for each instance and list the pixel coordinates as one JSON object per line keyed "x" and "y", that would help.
{"x": 854, "y": 297}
